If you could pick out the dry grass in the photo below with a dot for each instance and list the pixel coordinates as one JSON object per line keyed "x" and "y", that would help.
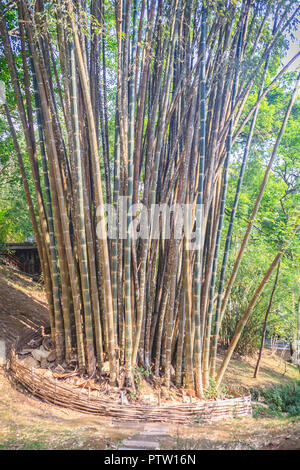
{"x": 274, "y": 370}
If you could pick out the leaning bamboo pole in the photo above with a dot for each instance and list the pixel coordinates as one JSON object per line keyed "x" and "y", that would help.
{"x": 245, "y": 317}
{"x": 217, "y": 319}
{"x": 258, "y": 199}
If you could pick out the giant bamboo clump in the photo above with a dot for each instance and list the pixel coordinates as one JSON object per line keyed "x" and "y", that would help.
{"x": 134, "y": 113}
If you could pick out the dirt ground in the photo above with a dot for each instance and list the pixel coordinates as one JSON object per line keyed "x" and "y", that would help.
{"x": 28, "y": 423}
{"x": 23, "y": 305}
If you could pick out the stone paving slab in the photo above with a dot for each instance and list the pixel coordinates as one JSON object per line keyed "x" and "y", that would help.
{"x": 156, "y": 430}
{"x": 140, "y": 444}
{"x": 129, "y": 448}
{"x": 145, "y": 437}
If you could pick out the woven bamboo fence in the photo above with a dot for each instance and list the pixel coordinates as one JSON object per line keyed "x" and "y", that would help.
{"x": 51, "y": 391}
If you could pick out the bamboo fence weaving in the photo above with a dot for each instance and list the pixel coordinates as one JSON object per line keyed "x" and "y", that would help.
{"x": 51, "y": 391}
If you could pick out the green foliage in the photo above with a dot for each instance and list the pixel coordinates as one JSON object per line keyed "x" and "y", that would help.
{"x": 138, "y": 375}
{"x": 15, "y": 223}
{"x": 280, "y": 400}
{"x": 276, "y": 219}
{"x": 213, "y": 392}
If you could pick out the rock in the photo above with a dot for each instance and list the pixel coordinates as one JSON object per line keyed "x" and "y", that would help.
{"x": 51, "y": 356}
{"x": 30, "y": 362}
{"x": 2, "y": 353}
{"x": 41, "y": 354}
{"x": 105, "y": 367}
{"x": 26, "y": 351}
{"x": 44, "y": 364}
{"x": 47, "y": 343}
{"x": 35, "y": 343}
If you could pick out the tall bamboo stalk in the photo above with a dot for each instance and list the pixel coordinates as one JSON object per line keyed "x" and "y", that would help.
{"x": 176, "y": 76}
